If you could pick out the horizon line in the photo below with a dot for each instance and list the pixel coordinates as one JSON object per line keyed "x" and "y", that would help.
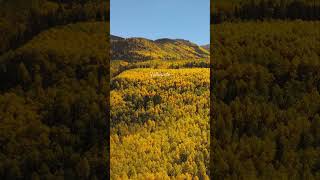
{"x": 126, "y": 37}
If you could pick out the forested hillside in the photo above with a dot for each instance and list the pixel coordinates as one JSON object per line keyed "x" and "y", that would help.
{"x": 160, "y": 123}
{"x": 135, "y": 49}
{"x": 265, "y": 86}
{"x": 21, "y": 20}
{"x": 54, "y": 90}
{"x": 159, "y": 109}
{"x": 265, "y": 100}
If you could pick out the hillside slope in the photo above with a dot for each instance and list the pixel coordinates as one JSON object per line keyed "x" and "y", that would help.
{"x": 266, "y": 100}
{"x": 134, "y": 49}
{"x": 57, "y": 50}
{"x": 207, "y": 47}
{"x": 21, "y": 20}
{"x": 157, "y": 129}
{"x": 53, "y": 100}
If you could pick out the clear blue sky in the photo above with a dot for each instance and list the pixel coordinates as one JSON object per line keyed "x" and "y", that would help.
{"x": 154, "y": 19}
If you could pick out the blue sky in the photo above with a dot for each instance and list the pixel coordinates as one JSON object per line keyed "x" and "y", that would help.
{"x": 154, "y": 19}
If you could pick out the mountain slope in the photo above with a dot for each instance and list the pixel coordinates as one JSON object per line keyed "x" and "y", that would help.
{"x": 56, "y": 50}
{"x": 134, "y": 49}
{"x": 20, "y": 20}
{"x": 147, "y": 107}
{"x": 266, "y": 94}
{"x": 207, "y": 47}
{"x": 53, "y": 100}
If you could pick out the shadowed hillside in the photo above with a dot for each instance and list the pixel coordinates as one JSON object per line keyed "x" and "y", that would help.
{"x": 265, "y": 120}
{"x": 21, "y": 20}
{"x": 53, "y": 90}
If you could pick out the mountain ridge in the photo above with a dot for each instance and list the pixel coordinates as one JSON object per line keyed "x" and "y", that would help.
{"x": 115, "y": 38}
{"x": 139, "y": 48}
{"x": 206, "y": 46}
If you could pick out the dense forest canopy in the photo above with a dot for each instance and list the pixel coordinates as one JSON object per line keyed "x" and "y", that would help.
{"x": 235, "y": 10}
{"x": 265, "y": 89}
{"x": 265, "y": 100}
{"x": 54, "y": 89}
{"x": 147, "y": 108}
